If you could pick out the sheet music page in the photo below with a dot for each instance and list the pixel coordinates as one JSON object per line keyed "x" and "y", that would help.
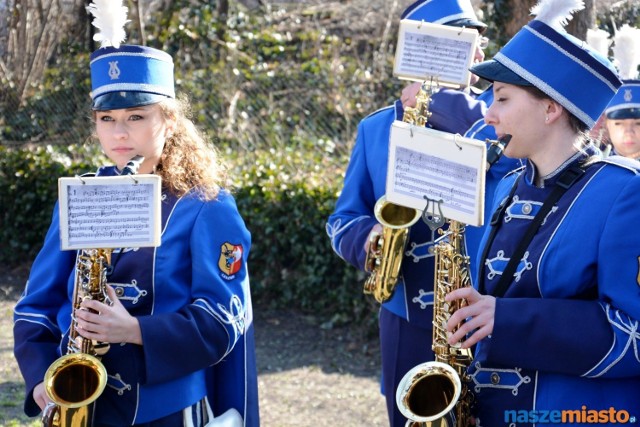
{"x": 447, "y": 169}
{"x": 426, "y": 50}
{"x": 109, "y": 212}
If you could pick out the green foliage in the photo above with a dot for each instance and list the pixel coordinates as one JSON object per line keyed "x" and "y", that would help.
{"x": 618, "y": 14}
{"x": 284, "y": 198}
{"x": 282, "y": 94}
{"x": 29, "y": 183}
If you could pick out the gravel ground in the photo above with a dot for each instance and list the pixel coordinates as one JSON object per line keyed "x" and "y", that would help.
{"x": 308, "y": 374}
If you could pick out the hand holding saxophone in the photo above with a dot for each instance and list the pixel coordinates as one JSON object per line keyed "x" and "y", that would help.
{"x": 109, "y": 323}
{"x": 474, "y": 320}
{"x": 376, "y": 230}
{"x": 40, "y": 396}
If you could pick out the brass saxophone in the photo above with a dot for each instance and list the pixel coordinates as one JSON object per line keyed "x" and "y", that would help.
{"x": 74, "y": 381}
{"x": 386, "y": 249}
{"x": 429, "y": 392}
{"x": 435, "y": 393}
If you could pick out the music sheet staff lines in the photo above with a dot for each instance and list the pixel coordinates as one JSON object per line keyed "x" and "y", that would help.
{"x": 427, "y": 51}
{"x": 419, "y": 174}
{"x": 109, "y": 212}
{"x": 95, "y": 210}
{"x": 429, "y": 164}
{"x": 434, "y": 56}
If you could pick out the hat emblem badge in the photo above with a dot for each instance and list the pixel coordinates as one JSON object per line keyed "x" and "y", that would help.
{"x": 114, "y": 71}
{"x": 627, "y": 95}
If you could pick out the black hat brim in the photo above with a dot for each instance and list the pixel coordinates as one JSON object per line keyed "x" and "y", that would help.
{"x": 466, "y": 22}
{"x": 118, "y": 100}
{"x": 624, "y": 113}
{"x": 494, "y": 71}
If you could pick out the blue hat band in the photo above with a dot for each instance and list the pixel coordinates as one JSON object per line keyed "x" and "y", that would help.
{"x": 628, "y": 97}
{"x": 143, "y": 70}
{"x": 561, "y": 69}
{"x": 439, "y": 12}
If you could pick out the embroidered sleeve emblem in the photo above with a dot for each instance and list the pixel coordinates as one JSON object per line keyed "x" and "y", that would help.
{"x": 230, "y": 260}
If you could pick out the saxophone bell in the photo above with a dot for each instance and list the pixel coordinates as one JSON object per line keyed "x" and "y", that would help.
{"x": 73, "y": 382}
{"x": 438, "y": 391}
{"x": 428, "y": 393}
{"x": 386, "y": 249}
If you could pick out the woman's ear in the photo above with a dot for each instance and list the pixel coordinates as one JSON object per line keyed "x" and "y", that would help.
{"x": 170, "y": 128}
{"x": 553, "y": 111}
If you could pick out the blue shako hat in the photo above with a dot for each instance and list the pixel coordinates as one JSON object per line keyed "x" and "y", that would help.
{"x": 626, "y": 103}
{"x": 130, "y": 76}
{"x": 544, "y": 55}
{"x": 626, "y": 51}
{"x": 457, "y": 13}
{"x": 125, "y": 76}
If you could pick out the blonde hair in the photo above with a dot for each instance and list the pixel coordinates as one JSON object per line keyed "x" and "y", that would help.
{"x": 188, "y": 161}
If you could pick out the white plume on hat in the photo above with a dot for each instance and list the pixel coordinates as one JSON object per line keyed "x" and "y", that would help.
{"x": 626, "y": 51}
{"x": 110, "y": 16}
{"x": 599, "y": 40}
{"x": 556, "y": 13}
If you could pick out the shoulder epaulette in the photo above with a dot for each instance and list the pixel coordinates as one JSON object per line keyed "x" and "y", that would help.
{"x": 380, "y": 111}
{"x": 624, "y": 162}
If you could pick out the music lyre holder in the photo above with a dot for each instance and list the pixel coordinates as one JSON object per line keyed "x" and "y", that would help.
{"x": 432, "y": 218}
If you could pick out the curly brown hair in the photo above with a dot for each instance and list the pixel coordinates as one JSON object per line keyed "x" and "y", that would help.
{"x": 189, "y": 162}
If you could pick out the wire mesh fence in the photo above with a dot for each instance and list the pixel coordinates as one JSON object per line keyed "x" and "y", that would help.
{"x": 255, "y": 116}
{"x": 282, "y": 105}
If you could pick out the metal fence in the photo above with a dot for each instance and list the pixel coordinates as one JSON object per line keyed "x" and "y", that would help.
{"x": 278, "y": 108}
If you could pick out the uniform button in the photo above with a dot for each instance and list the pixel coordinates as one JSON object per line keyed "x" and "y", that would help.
{"x": 495, "y": 378}
{"x": 119, "y": 291}
{"x": 526, "y": 209}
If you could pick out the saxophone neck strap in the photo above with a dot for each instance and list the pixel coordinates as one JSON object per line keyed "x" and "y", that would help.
{"x": 568, "y": 177}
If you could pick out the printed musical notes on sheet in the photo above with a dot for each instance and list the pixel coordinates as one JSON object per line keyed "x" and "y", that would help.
{"x": 109, "y": 212}
{"x": 425, "y": 51}
{"x": 438, "y": 166}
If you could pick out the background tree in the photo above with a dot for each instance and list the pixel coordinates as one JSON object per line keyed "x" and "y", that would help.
{"x": 34, "y": 28}
{"x": 583, "y": 20}
{"x": 507, "y": 17}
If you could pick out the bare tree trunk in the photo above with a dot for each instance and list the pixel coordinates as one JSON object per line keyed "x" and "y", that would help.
{"x": 520, "y": 15}
{"x": 5, "y": 9}
{"x": 33, "y": 31}
{"x": 221, "y": 31}
{"x": 583, "y": 20}
{"x": 33, "y": 35}
{"x": 511, "y": 15}
{"x": 137, "y": 19}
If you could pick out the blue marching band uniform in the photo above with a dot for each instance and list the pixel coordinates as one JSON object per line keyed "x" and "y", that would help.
{"x": 405, "y": 320}
{"x": 564, "y": 346}
{"x": 565, "y": 335}
{"x": 190, "y": 295}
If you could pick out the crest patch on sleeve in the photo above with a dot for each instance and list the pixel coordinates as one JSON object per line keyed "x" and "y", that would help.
{"x": 230, "y": 260}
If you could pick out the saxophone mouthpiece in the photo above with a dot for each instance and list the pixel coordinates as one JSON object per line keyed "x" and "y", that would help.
{"x": 496, "y": 149}
{"x": 132, "y": 166}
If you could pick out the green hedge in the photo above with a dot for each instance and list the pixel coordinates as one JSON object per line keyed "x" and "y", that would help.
{"x": 285, "y": 200}
{"x": 28, "y": 191}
